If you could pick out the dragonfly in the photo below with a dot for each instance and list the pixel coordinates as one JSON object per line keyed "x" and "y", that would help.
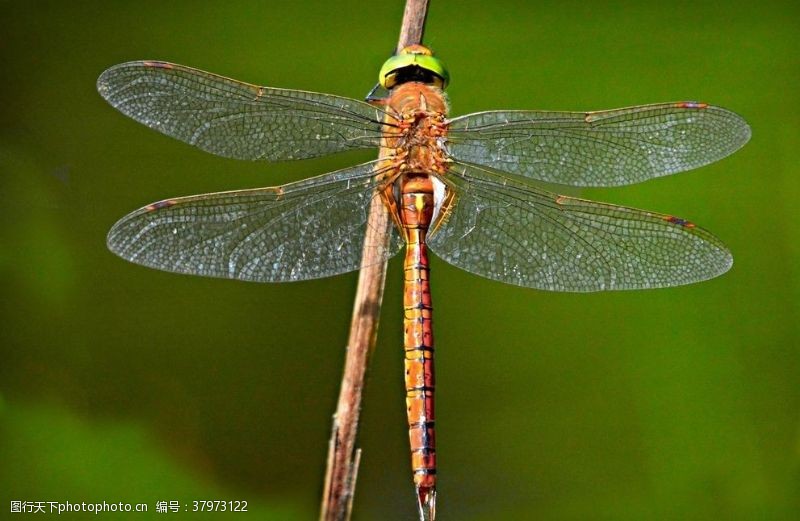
{"x": 463, "y": 187}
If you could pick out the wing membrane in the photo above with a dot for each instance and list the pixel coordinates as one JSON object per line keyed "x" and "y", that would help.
{"x": 305, "y": 230}
{"x": 512, "y": 232}
{"x": 607, "y": 148}
{"x": 238, "y": 120}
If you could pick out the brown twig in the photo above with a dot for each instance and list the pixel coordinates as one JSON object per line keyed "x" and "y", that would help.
{"x": 343, "y": 455}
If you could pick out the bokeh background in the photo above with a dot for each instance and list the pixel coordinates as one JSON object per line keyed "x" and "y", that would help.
{"x": 120, "y": 383}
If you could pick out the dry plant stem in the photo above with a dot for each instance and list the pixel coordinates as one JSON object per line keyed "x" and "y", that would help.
{"x": 343, "y": 456}
{"x": 342, "y": 453}
{"x": 413, "y": 23}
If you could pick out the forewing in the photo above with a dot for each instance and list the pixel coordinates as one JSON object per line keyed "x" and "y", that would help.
{"x": 607, "y": 148}
{"x": 305, "y": 230}
{"x": 512, "y": 232}
{"x": 234, "y": 119}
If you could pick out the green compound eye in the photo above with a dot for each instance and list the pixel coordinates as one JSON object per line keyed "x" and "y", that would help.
{"x": 414, "y": 63}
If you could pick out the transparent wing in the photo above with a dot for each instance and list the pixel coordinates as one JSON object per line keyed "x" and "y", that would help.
{"x": 305, "y": 230}
{"x": 234, "y": 119}
{"x": 607, "y": 148}
{"x": 509, "y": 231}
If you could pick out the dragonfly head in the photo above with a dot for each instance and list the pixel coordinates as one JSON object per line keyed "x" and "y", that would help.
{"x": 413, "y": 63}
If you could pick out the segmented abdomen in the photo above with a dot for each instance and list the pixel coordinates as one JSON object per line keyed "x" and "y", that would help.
{"x": 416, "y": 212}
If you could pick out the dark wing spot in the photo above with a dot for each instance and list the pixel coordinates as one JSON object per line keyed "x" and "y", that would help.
{"x": 680, "y": 222}
{"x": 691, "y": 105}
{"x": 160, "y": 204}
{"x": 158, "y": 65}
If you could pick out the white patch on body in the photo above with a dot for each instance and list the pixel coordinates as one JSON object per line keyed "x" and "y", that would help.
{"x": 439, "y": 193}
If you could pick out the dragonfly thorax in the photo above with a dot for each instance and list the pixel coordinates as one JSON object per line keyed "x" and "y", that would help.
{"x": 420, "y": 130}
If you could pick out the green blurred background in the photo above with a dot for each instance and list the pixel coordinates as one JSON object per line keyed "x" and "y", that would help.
{"x": 120, "y": 383}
